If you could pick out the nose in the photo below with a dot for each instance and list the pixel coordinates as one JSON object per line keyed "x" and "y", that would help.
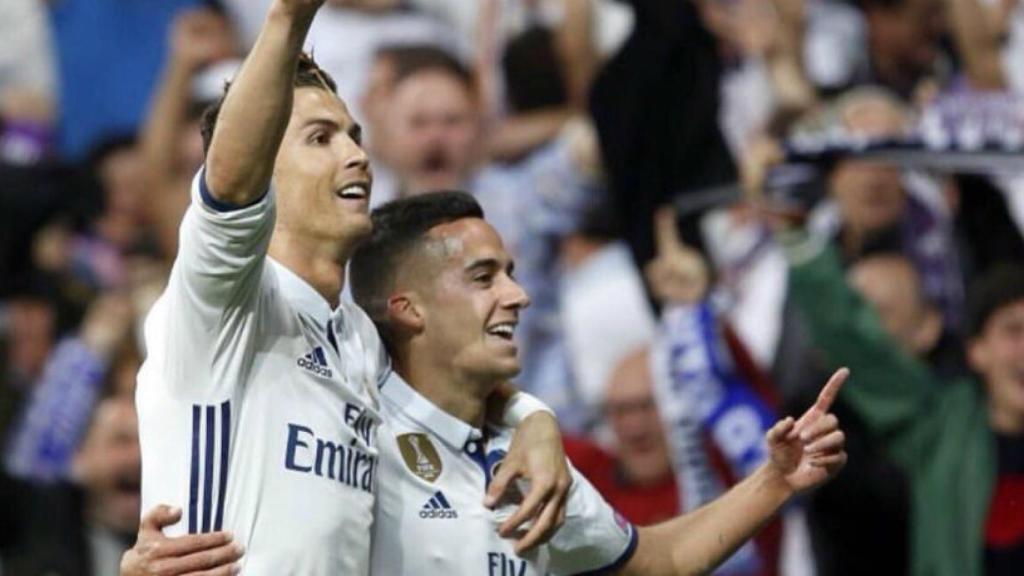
{"x": 355, "y": 156}
{"x": 516, "y": 297}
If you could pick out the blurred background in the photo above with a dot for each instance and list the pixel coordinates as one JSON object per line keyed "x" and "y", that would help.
{"x": 713, "y": 204}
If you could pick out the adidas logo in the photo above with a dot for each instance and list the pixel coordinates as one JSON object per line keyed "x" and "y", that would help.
{"x": 315, "y": 362}
{"x": 438, "y": 507}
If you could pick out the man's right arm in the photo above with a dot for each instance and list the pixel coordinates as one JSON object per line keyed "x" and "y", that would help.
{"x": 255, "y": 113}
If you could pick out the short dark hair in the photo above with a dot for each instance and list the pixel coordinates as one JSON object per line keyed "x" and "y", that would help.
{"x": 307, "y": 74}
{"x": 412, "y": 59}
{"x": 533, "y": 73}
{"x": 999, "y": 287}
{"x": 398, "y": 228}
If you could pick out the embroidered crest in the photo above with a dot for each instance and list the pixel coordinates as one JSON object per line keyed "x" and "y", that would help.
{"x": 420, "y": 455}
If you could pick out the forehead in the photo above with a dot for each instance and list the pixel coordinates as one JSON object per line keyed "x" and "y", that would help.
{"x": 1011, "y": 312}
{"x": 431, "y": 89}
{"x": 316, "y": 103}
{"x": 468, "y": 239}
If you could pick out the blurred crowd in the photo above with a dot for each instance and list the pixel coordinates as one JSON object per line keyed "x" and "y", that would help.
{"x": 694, "y": 271}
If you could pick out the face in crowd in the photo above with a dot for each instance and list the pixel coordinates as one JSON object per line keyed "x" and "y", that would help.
{"x": 633, "y": 416}
{"x": 870, "y": 196}
{"x": 997, "y": 354}
{"x": 893, "y": 287}
{"x": 109, "y": 466}
{"x": 431, "y": 133}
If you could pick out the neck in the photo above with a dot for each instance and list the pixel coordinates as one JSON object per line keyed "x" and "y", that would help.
{"x": 1005, "y": 420}
{"x": 320, "y": 264}
{"x": 462, "y": 397}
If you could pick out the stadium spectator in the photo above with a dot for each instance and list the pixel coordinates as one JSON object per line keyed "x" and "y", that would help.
{"x": 198, "y": 64}
{"x": 958, "y": 443}
{"x": 82, "y": 525}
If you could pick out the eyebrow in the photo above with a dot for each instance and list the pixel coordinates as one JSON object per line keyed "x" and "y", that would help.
{"x": 490, "y": 264}
{"x": 354, "y": 131}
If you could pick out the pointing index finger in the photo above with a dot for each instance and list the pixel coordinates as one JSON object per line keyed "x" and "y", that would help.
{"x": 824, "y": 402}
{"x": 831, "y": 390}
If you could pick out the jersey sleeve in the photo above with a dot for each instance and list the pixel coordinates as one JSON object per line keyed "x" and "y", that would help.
{"x": 595, "y": 539}
{"x": 200, "y": 334}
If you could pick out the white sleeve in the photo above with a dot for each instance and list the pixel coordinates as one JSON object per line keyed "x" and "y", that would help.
{"x": 201, "y": 332}
{"x": 595, "y": 538}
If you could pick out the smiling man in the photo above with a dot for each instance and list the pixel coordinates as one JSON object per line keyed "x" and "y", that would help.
{"x": 438, "y": 283}
{"x": 256, "y": 370}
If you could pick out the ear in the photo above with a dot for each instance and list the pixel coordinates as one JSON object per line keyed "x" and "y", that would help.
{"x": 928, "y": 331}
{"x": 405, "y": 312}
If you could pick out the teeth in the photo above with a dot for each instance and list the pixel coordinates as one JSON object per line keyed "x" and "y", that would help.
{"x": 504, "y": 329}
{"x": 353, "y": 191}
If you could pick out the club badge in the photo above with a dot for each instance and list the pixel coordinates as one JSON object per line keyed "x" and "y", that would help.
{"x": 420, "y": 455}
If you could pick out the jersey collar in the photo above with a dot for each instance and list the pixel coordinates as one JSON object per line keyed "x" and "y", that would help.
{"x": 454, "y": 432}
{"x": 302, "y": 296}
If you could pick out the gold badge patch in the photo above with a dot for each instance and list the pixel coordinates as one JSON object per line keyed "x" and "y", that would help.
{"x": 420, "y": 456}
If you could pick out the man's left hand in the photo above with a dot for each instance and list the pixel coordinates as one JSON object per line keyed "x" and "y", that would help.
{"x": 807, "y": 452}
{"x": 537, "y": 456}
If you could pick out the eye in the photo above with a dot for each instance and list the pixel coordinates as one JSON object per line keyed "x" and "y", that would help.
{"x": 319, "y": 138}
{"x": 484, "y": 278}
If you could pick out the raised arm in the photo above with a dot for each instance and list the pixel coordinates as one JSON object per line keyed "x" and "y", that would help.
{"x": 804, "y": 454}
{"x": 255, "y": 113}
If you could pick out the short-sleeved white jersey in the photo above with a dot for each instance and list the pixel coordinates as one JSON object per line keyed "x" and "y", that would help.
{"x": 257, "y": 402}
{"x": 430, "y": 517}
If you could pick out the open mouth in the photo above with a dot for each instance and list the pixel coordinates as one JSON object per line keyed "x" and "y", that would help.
{"x": 503, "y": 330}
{"x": 358, "y": 191}
{"x": 435, "y": 161}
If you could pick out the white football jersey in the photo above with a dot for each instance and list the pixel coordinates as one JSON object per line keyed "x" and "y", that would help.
{"x": 257, "y": 402}
{"x": 430, "y": 517}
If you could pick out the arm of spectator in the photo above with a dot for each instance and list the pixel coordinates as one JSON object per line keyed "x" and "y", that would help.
{"x": 979, "y": 30}
{"x": 256, "y": 111}
{"x": 678, "y": 273}
{"x": 56, "y": 417}
{"x": 576, "y": 45}
{"x": 154, "y": 554}
{"x": 804, "y": 453}
{"x": 892, "y": 388}
{"x": 198, "y": 38}
{"x": 518, "y": 135}
{"x": 536, "y": 455}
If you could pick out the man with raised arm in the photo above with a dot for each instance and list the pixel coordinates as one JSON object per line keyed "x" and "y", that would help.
{"x": 438, "y": 283}
{"x": 258, "y": 399}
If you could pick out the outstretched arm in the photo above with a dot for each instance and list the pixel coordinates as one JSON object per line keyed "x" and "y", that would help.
{"x": 255, "y": 112}
{"x": 804, "y": 454}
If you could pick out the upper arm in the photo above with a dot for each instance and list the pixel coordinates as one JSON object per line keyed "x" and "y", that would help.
{"x": 201, "y": 330}
{"x": 594, "y": 538}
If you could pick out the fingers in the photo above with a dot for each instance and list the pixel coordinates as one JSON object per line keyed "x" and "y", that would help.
{"x": 549, "y": 521}
{"x": 159, "y": 517}
{"x": 505, "y": 474}
{"x": 528, "y": 510}
{"x": 219, "y": 560}
{"x": 828, "y": 443}
{"x": 831, "y": 390}
{"x": 666, "y": 233}
{"x": 780, "y": 430}
{"x": 818, "y": 428}
{"x": 831, "y": 462}
{"x": 189, "y": 544}
{"x": 824, "y": 402}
